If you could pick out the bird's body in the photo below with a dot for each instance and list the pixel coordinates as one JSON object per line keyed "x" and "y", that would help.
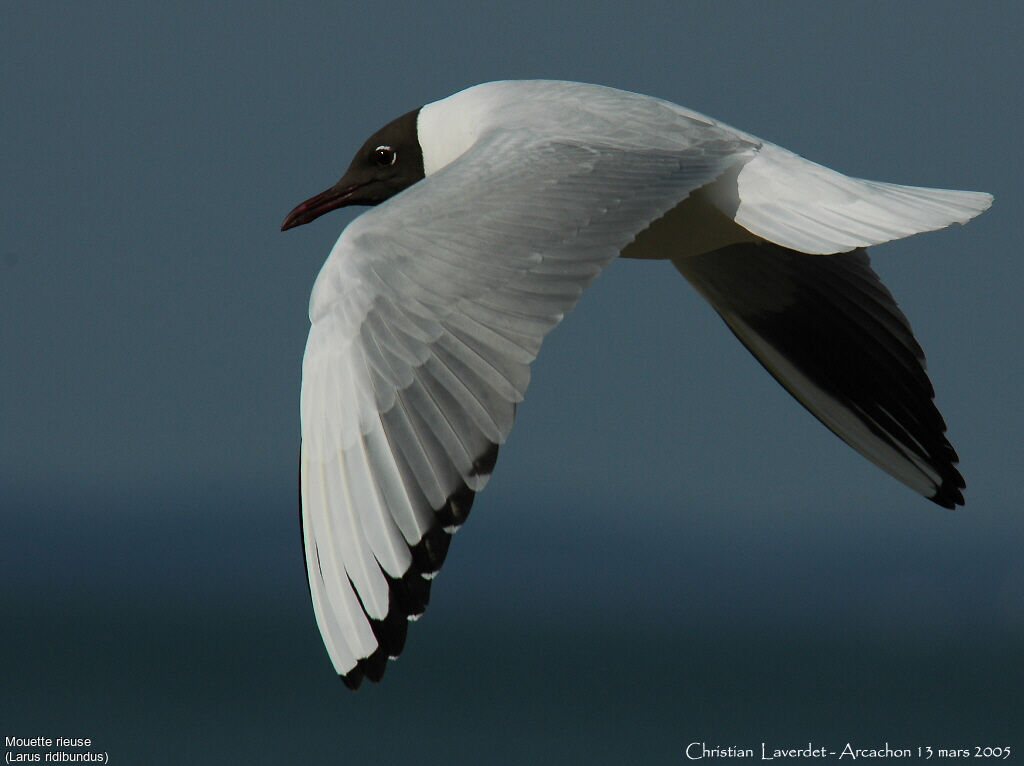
{"x": 500, "y": 204}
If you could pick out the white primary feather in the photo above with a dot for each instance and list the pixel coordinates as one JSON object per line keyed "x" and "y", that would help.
{"x": 425, "y": 332}
{"x": 431, "y": 307}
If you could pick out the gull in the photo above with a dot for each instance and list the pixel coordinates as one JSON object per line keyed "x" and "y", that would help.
{"x": 492, "y": 210}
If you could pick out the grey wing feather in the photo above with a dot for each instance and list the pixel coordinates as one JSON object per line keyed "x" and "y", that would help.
{"x": 425, "y": 319}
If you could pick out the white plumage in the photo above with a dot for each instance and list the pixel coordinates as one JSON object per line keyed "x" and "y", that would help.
{"x": 431, "y": 307}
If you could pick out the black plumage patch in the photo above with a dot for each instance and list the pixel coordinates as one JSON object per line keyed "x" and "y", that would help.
{"x": 832, "y": 318}
{"x": 409, "y": 595}
{"x": 430, "y": 552}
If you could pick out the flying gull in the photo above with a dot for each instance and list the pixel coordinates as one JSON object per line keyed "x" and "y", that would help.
{"x": 494, "y": 209}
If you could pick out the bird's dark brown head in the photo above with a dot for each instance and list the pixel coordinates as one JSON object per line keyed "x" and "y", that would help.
{"x": 391, "y": 160}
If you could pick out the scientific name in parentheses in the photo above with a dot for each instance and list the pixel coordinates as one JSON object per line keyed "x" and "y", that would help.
{"x": 48, "y": 742}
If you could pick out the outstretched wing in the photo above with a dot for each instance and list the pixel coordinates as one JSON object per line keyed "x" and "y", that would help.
{"x": 830, "y": 332}
{"x": 425, "y": 319}
{"x": 799, "y": 204}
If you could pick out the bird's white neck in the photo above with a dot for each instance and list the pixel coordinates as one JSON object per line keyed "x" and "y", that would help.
{"x": 447, "y": 128}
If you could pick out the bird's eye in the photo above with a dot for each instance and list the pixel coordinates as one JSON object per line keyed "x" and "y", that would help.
{"x": 384, "y": 156}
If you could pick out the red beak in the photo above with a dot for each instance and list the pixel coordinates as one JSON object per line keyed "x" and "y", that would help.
{"x": 324, "y": 202}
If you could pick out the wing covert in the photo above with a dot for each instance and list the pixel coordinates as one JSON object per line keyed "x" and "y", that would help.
{"x": 425, "y": 319}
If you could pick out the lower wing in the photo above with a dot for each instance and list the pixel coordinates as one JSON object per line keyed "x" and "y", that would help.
{"x": 830, "y": 332}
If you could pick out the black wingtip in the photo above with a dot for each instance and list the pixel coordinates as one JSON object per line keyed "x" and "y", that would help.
{"x": 353, "y": 678}
{"x": 950, "y": 494}
{"x": 371, "y": 667}
{"x": 950, "y": 491}
{"x": 430, "y": 552}
{"x": 409, "y": 594}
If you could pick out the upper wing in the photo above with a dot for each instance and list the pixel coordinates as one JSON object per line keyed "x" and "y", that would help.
{"x": 804, "y": 206}
{"x": 425, "y": 319}
{"x": 830, "y": 332}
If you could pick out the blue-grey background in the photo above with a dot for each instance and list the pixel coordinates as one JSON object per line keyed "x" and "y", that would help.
{"x": 670, "y": 551}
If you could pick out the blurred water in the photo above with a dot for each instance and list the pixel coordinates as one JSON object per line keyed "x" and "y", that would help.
{"x": 177, "y": 633}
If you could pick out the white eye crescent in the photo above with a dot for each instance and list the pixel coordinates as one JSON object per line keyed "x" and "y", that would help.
{"x": 384, "y": 156}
